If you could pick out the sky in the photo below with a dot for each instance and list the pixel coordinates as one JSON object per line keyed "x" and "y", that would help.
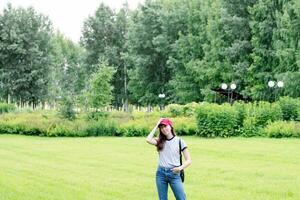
{"x": 68, "y": 15}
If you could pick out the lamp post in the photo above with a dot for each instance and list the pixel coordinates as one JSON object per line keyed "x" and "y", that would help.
{"x": 232, "y": 87}
{"x": 224, "y": 87}
{"x": 161, "y": 96}
{"x": 280, "y": 84}
{"x": 229, "y": 91}
{"x": 273, "y": 84}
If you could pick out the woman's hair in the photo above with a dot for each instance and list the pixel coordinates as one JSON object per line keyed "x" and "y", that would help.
{"x": 162, "y": 139}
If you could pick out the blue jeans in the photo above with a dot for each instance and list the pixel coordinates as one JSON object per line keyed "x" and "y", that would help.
{"x": 165, "y": 176}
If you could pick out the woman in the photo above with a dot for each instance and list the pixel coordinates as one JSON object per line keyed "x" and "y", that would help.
{"x": 168, "y": 171}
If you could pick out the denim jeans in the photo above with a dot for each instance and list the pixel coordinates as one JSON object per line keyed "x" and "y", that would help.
{"x": 164, "y": 177}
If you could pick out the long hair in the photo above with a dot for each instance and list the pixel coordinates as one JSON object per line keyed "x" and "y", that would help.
{"x": 162, "y": 139}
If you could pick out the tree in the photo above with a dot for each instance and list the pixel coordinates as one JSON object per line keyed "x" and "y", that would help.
{"x": 67, "y": 72}
{"x": 186, "y": 49}
{"x": 98, "y": 35}
{"x": 154, "y": 29}
{"x": 100, "y": 89}
{"x": 104, "y": 36}
{"x": 24, "y": 55}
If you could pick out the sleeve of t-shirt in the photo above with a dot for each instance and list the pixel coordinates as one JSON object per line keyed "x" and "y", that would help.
{"x": 183, "y": 145}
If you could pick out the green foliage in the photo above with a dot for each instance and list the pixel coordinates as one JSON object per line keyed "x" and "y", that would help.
{"x": 66, "y": 109}
{"x": 5, "y": 107}
{"x": 133, "y": 131}
{"x": 289, "y": 108}
{"x": 102, "y": 128}
{"x": 281, "y": 129}
{"x": 153, "y": 30}
{"x": 25, "y": 54}
{"x": 209, "y": 120}
{"x": 250, "y": 129}
{"x": 175, "y": 110}
{"x": 240, "y": 107}
{"x": 216, "y": 120}
{"x": 100, "y": 90}
{"x": 265, "y": 112}
{"x": 190, "y": 109}
{"x": 67, "y": 77}
{"x": 185, "y": 125}
{"x": 98, "y": 115}
{"x": 21, "y": 129}
{"x": 104, "y": 37}
{"x": 255, "y": 116}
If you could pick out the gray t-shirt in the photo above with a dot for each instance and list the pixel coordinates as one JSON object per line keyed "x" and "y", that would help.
{"x": 169, "y": 155}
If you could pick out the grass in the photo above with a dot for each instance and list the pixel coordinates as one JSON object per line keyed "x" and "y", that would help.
{"x": 108, "y": 168}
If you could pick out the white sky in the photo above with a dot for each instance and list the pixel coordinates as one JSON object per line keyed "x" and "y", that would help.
{"x": 68, "y": 15}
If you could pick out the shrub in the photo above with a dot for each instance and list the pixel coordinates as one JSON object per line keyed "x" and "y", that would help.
{"x": 241, "y": 112}
{"x": 98, "y": 115}
{"x": 66, "y": 109}
{"x": 289, "y": 108}
{"x": 262, "y": 113}
{"x": 139, "y": 127}
{"x": 249, "y": 128}
{"x": 22, "y": 129}
{"x": 185, "y": 125}
{"x": 5, "y": 107}
{"x": 216, "y": 120}
{"x": 175, "y": 110}
{"x": 190, "y": 109}
{"x": 133, "y": 131}
{"x": 101, "y": 128}
{"x": 281, "y": 129}
{"x": 266, "y": 112}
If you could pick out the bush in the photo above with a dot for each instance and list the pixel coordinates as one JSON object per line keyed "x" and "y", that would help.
{"x": 5, "y": 107}
{"x": 217, "y": 120}
{"x": 66, "y": 109}
{"x": 101, "y": 128}
{"x": 133, "y": 131}
{"x": 264, "y": 112}
{"x": 241, "y": 112}
{"x": 98, "y": 115}
{"x": 139, "y": 127}
{"x": 281, "y": 129}
{"x": 249, "y": 128}
{"x": 289, "y": 108}
{"x": 21, "y": 129}
{"x": 175, "y": 110}
{"x": 190, "y": 109}
{"x": 185, "y": 125}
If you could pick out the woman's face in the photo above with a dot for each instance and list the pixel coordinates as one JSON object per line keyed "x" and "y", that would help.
{"x": 165, "y": 129}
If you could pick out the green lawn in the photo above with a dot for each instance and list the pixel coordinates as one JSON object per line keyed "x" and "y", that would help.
{"x": 108, "y": 168}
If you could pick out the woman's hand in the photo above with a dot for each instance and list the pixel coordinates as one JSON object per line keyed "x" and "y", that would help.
{"x": 176, "y": 169}
{"x": 158, "y": 122}
{"x": 150, "y": 138}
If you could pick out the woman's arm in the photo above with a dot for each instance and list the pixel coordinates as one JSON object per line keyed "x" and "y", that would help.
{"x": 150, "y": 138}
{"x": 187, "y": 158}
{"x": 186, "y": 163}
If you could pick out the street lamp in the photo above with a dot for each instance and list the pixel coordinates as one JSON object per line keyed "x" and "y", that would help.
{"x": 224, "y": 86}
{"x": 280, "y": 84}
{"x": 272, "y": 84}
{"x": 161, "y": 96}
{"x": 232, "y": 87}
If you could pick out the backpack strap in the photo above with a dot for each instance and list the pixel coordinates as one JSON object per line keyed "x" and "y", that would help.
{"x": 180, "y": 156}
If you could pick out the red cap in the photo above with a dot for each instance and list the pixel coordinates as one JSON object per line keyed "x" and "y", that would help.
{"x": 166, "y": 122}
